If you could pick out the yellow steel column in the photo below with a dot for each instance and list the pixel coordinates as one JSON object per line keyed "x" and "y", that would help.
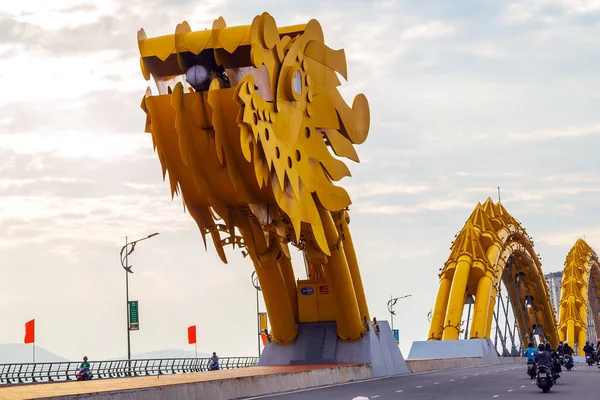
{"x": 279, "y": 309}
{"x": 285, "y": 265}
{"x": 482, "y": 306}
{"x": 581, "y": 339}
{"x": 561, "y": 335}
{"x": 339, "y": 279}
{"x": 571, "y": 332}
{"x": 439, "y": 310}
{"x": 490, "y": 316}
{"x": 353, "y": 266}
{"x": 456, "y": 301}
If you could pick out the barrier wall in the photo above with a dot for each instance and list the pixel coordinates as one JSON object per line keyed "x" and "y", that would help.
{"x": 193, "y": 386}
{"x": 434, "y": 364}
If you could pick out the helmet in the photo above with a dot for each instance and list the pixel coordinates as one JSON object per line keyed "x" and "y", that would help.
{"x": 541, "y": 347}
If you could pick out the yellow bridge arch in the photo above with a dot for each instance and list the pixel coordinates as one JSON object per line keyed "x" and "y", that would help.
{"x": 491, "y": 249}
{"x": 579, "y": 291}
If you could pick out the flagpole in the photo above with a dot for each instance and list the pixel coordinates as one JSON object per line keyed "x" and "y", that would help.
{"x": 196, "y": 349}
{"x": 34, "y": 351}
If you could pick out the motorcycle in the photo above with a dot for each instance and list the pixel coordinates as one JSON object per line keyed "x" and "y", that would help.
{"x": 589, "y": 360}
{"x": 84, "y": 374}
{"x": 561, "y": 360}
{"x": 568, "y": 362}
{"x": 556, "y": 369}
{"x": 544, "y": 378}
{"x": 531, "y": 369}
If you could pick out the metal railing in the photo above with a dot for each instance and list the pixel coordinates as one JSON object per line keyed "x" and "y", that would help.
{"x": 67, "y": 371}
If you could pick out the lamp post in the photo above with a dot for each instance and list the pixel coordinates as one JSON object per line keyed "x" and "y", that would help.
{"x": 125, "y": 264}
{"x": 390, "y": 307}
{"x": 256, "y": 285}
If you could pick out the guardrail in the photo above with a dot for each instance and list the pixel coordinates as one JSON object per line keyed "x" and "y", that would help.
{"x": 67, "y": 371}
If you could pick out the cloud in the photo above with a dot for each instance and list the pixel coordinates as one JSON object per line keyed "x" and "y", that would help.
{"x": 381, "y": 188}
{"x": 485, "y": 50}
{"x": 591, "y": 234}
{"x": 426, "y": 206}
{"x": 548, "y": 10}
{"x": 428, "y": 30}
{"x": 567, "y": 133}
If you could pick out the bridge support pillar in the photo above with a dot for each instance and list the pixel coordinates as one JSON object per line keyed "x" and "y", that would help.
{"x": 571, "y": 332}
{"x": 482, "y": 306}
{"x": 339, "y": 278}
{"x": 278, "y": 305}
{"x": 457, "y": 298}
{"x": 439, "y": 312}
{"x": 287, "y": 271}
{"x": 581, "y": 339}
{"x": 344, "y": 232}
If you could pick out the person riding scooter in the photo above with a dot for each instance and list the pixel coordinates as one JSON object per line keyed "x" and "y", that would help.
{"x": 543, "y": 358}
{"x": 530, "y": 352}
{"x": 544, "y": 376}
{"x": 84, "y": 369}
{"x": 568, "y": 356}
{"x": 214, "y": 363}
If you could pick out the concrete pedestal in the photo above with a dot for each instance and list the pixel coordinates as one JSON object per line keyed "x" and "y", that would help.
{"x": 318, "y": 343}
{"x": 474, "y": 348}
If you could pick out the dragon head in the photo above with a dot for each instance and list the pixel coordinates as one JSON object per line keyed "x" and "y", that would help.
{"x": 249, "y": 116}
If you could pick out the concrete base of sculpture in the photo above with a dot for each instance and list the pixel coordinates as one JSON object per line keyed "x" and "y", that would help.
{"x": 473, "y": 348}
{"x": 317, "y": 343}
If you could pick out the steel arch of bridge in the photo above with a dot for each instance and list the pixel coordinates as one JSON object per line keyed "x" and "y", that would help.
{"x": 579, "y": 292}
{"x": 493, "y": 249}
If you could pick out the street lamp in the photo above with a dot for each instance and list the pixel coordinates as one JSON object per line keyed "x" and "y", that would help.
{"x": 256, "y": 285}
{"x": 390, "y": 307}
{"x": 125, "y": 264}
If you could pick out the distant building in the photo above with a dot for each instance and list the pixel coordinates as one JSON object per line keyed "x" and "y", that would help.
{"x": 554, "y": 280}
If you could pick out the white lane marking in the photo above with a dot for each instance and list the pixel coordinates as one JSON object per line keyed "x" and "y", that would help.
{"x": 418, "y": 387}
{"x": 451, "y": 380}
{"x": 487, "y": 373}
{"x": 360, "y": 398}
{"x": 476, "y": 374}
{"x": 374, "y": 397}
{"x": 497, "y": 395}
{"x": 399, "y": 391}
{"x": 498, "y": 371}
{"x": 464, "y": 377}
{"x": 436, "y": 383}
{"x": 522, "y": 385}
{"x": 509, "y": 390}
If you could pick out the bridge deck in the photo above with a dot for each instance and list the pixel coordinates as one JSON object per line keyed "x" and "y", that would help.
{"x": 48, "y": 390}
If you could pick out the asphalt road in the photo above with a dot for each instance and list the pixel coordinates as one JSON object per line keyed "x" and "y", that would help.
{"x": 509, "y": 381}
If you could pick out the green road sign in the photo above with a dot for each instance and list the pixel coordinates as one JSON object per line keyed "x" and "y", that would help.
{"x": 134, "y": 318}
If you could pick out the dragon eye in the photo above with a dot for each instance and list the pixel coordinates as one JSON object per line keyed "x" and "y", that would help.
{"x": 297, "y": 82}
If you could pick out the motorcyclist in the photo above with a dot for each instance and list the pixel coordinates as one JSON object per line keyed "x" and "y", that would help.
{"x": 588, "y": 348}
{"x": 543, "y": 358}
{"x": 555, "y": 364}
{"x": 567, "y": 350}
{"x": 530, "y": 352}
{"x": 214, "y": 362}
{"x": 85, "y": 366}
{"x": 559, "y": 349}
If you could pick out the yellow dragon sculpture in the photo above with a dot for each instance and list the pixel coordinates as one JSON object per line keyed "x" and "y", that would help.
{"x": 244, "y": 120}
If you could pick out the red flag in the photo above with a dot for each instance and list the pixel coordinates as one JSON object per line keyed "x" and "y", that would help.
{"x": 192, "y": 334}
{"x": 264, "y": 339}
{"x": 30, "y": 332}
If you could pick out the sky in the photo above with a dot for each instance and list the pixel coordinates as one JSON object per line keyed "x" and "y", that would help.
{"x": 464, "y": 96}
